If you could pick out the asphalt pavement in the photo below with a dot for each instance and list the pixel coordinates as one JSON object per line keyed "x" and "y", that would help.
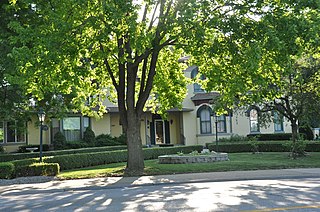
{"x": 53, "y": 184}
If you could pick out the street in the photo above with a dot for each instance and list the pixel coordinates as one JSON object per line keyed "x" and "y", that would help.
{"x": 302, "y": 194}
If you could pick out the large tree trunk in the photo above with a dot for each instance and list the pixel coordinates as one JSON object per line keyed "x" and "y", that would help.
{"x": 135, "y": 163}
{"x": 294, "y": 129}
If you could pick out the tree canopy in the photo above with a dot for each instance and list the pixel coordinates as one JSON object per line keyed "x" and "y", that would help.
{"x": 78, "y": 49}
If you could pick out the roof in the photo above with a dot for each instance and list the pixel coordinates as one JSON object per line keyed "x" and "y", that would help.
{"x": 116, "y": 110}
{"x": 204, "y": 96}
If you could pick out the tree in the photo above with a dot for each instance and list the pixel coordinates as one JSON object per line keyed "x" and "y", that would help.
{"x": 95, "y": 48}
{"x": 267, "y": 67}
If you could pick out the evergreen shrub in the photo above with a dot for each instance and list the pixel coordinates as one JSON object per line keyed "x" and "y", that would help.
{"x": 7, "y": 170}
{"x": 59, "y": 141}
{"x": 38, "y": 169}
{"x": 89, "y": 136}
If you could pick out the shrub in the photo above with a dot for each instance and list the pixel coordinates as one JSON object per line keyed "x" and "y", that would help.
{"x": 106, "y": 140}
{"x": 59, "y": 140}
{"x": 121, "y": 140}
{"x": 38, "y": 169}
{"x": 76, "y": 145}
{"x": 20, "y": 156}
{"x": 1, "y": 149}
{"x": 7, "y": 170}
{"x": 306, "y": 133}
{"x": 271, "y": 136}
{"x": 248, "y": 147}
{"x": 89, "y": 136}
{"x": 235, "y": 138}
{"x": 23, "y": 149}
{"x": 92, "y": 159}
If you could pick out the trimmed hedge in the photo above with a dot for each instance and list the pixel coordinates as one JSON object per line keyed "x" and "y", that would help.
{"x": 272, "y": 136}
{"x": 38, "y": 169}
{"x": 92, "y": 159}
{"x": 7, "y": 170}
{"x": 263, "y": 146}
{"x": 21, "y": 156}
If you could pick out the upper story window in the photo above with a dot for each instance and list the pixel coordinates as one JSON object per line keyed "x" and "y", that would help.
{"x": 12, "y": 132}
{"x": 221, "y": 122}
{"x": 197, "y": 87}
{"x": 205, "y": 113}
{"x": 278, "y": 121}
{"x": 254, "y": 121}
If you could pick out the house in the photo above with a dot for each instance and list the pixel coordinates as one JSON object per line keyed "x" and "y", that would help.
{"x": 195, "y": 123}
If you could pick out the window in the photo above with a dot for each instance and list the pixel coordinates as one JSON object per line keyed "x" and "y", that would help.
{"x": 204, "y": 113}
{"x": 72, "y": 127}
{"x": 254, "y": 124}
{"x": 12, "y": 132}
{"x": 197, "y": 87}
{"x": 221, "y": 122}
{"x": 278, "y": 122}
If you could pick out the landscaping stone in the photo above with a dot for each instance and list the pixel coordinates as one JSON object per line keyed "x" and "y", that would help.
{"x": 179, "y": 159}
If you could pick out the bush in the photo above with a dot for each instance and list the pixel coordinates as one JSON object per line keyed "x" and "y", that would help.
{"x": 121, "y": 140}
{"x": 249, "y": 147}
{"x": 106, "y": 140}
{"x": 92, "y": 159}
{"x": 7, "y": 170}
{"x": 59, "y": 140}
{"x": 1, "y": 149}
{"x": 235, "y": 138}
{"x": 89, "y": 136}
{"x": 38, "y": 169}
{"x": 272, "y": 136}
{"x": 306, "y": 133}
{"x": 23, "y": 149}
{"x": 76, "y": 145}
{"x": 20, "y": 156}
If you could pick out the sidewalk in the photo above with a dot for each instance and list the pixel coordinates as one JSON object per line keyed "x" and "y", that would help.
{"x": 119, "y": 182}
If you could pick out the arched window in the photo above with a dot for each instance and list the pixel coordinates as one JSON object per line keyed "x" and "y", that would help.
{"x": 278, "y": 121}
{"x": 205, "y": 113}
{"x": 197, "y": 87}
{"x": 254, "y": 122}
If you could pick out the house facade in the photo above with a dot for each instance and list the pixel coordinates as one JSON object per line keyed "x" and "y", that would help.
{"x": 195, "y": 123}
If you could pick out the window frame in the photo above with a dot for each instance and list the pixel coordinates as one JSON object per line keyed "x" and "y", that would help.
{"x": 6, "y": 129}
{"x": 278, "y": 117}
{"x": 205, "y": 125}
{"x": 221, "y": 122}
{"x": 254, "y": 119}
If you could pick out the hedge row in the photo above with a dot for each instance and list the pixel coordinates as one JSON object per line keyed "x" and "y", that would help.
{"x": 261, "y": 147}
{"x": 98, "y": 158}
{"x": 25, "y": 168}
{"x": 271, "y": 136}
{"x": 20, "y": 156}
{"x": 52, "y": 164}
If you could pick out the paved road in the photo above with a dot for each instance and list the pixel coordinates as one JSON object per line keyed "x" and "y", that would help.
{"x": 193, "y": 192}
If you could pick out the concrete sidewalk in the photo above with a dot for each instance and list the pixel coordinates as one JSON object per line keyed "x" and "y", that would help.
{"x": 119, "y": 182}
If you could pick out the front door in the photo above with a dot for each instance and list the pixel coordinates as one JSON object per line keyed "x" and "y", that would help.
{"x": 159, "y": 130}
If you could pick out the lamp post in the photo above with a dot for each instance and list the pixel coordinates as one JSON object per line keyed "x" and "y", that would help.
{"x": 216, "y": 122}
{"x": 41, "y": 116}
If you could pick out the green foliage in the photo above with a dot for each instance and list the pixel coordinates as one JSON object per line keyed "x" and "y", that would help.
{"x": 76, "y": 145}
{"x": 38, "y": 169}
{"x": 108, "y": 140}
{"x": 235, "y": 138}
{"x": 67, "y": 162}
{"x": 1, "y": 149}
{"x": 306, "y": 133}
{"x": 298, "y": 149}
{"x": 271, "y": 136}
{"x": 7, "y": 170}
{"x": 22, "y": 156}
{"x": 266, "y": 146}
{"x": 59, "y": 140}
{"x": 89, "y": 136}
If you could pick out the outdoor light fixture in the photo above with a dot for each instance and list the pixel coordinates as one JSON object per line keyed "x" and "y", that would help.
{"x": 41, "y": 116}
{"x": 216, "y": 122}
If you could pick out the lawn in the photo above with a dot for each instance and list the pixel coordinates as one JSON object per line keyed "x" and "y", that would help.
{"x": 237, "y": 162}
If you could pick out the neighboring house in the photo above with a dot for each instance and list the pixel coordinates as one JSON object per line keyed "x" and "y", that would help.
{"x": 193, "y": 124}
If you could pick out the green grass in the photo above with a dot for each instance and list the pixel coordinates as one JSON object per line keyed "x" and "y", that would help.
{"x": 237, "y": 162}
